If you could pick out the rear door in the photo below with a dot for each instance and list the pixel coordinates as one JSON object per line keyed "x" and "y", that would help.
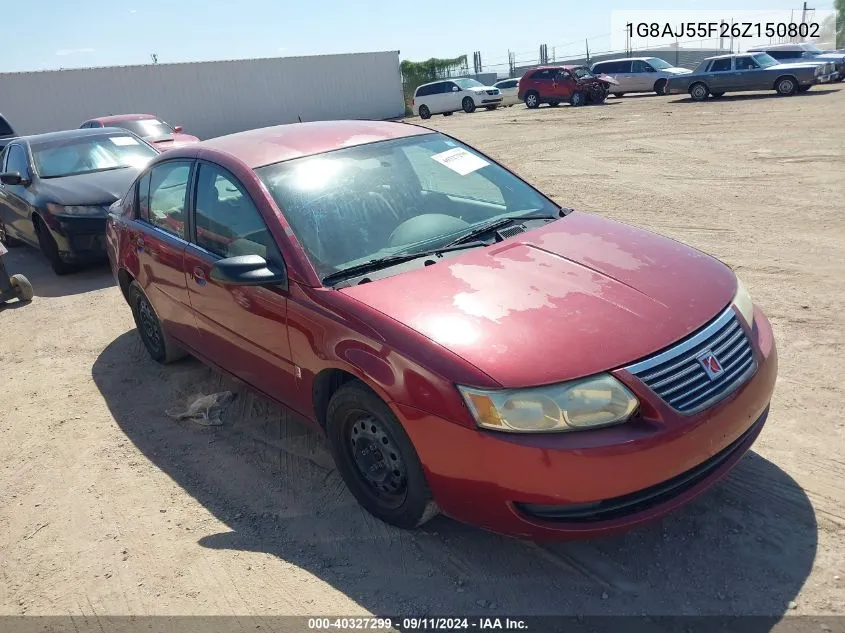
{"x": 243, "y": 328}
{"x": 622, "y": 74}
{"x": 159, "y": 240}
{"x": 563, "y": 85}
{"x": 719, "y": 75}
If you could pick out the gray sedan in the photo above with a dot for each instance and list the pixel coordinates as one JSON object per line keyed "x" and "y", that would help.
{"x": 756, "y": 71}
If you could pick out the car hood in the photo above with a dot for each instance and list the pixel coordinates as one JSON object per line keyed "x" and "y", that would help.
{"x": 830, "y": 57}
{"x": 677, "y": 71}
{"x": 171, "y": 141}
{"x": 482, "y": 88}
{"x": 578, "y": 296}
{"x": 96, "y": 189}
{"x": 805, "y": 64}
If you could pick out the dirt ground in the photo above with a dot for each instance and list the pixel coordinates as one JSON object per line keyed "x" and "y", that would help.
{"x": 107, "y": 506}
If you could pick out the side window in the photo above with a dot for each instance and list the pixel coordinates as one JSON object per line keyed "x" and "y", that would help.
{"x": 542, "y": 75}
{"x": 227, "y": 222}
{"x": 622, "y": 67}
{"x": 142, "y": 209}
{"x": 720, "y": 65}
{"x": 745, "y": 63}
{"x": 16, "y": 160}
{"x": 168, "y": 191}
{"x": 424, "y": 91}
{"x": 448, "y": 86}
{"x": 638, "y": 66}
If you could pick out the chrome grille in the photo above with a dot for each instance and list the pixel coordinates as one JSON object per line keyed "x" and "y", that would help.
{"x": 495, "y": 91}
{"x": 678, "y": 375}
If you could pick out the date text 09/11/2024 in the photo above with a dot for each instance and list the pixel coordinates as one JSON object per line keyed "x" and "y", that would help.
{"x": 706, "y": 30}
{"x": 406, "y": 624}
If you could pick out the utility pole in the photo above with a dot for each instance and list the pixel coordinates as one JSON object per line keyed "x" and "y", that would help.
{"x": 587, "y": 47}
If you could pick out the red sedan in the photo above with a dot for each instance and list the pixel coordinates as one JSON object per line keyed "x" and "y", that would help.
{"x": 160, "y": 134}
{"x": 466, "y": 344}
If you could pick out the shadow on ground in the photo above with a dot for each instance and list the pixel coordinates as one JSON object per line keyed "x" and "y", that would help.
{"x": 813, "y": 92}
{"x": 31, "y": 263}
{"x": 746, "y": 547}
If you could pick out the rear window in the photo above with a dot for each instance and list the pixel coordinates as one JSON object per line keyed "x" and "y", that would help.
{"x": 720, "y": 65}
{"x": 5, "y": 128}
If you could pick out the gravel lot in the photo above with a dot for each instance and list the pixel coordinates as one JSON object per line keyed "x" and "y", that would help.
{"x": 107, "y": 506}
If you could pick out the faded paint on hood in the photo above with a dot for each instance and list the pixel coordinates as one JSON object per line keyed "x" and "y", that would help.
{"x": 171, "y": 141}
{"x": 578, "y": 296}
{"x": 97, "y": 188}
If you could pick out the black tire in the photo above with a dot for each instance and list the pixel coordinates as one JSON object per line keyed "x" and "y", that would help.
{"x": 158, "y": 343}
{"x": 468, "y": 105}
{"x": 786, "y": 86}
{"x": 577, "y": 99}
{"x": 803, "y": 88}
{"x": 717, "y": 95}
{"x": 554, "y": 104}
{"x": 598, "y": 96}
{"x": 448, "y": 113}
{"x": 660, "y": 87}
{"x": 23, "y": 289}
{"x": 490, "y": 108}
{"x": 532, "y": 100}
{"x": 425, "y": 113}
{"x": 698, "y": 91}
{"x": 376, "y": 459}
{"x": 51, "y": 249}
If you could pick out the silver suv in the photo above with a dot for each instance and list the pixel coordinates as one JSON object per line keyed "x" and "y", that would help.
{"x": 638, "y": 74}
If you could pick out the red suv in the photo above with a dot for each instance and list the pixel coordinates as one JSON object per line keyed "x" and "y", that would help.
{"x": 556, "y": 84}
{"x": 465, "y": 344}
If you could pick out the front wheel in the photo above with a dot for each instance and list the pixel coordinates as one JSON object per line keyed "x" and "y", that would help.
{"x": 660, "y": 87}
{"x": 425, "y": 113}
{"x": 51, "y": 250}
{"x": 786, "y": 86}
{"x": 698, "y": 92}
{"x": 532, "y": 100}
{"x": 160, "y": 346}
{"x": 577, "y": 99}
{"x": 468, "y": 105}
{"x": 376, "y": 459}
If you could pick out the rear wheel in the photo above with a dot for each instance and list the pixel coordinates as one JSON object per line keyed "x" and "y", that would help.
{"x": 425, "y": 113}
{"x": 50, "y": 249}
{"x": 376, "y": 458}
{"x": 660, "y": 87}
{"x": 698, "y": 92}
{"x": 786, "y": 86}
{"x": 468, "y": 105}
{"x": 532, "y": 100}
{"x": 160, "y": 346}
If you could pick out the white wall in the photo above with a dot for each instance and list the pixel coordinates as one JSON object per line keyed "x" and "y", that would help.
{"x": 209, "y": 98}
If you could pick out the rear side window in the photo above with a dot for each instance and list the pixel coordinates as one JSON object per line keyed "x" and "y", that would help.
{"x": 543, "y": 75}
{"x": 720, "y": 65}
{"x": 167, "y": 195}
{"x": 745, "y": 63}
{"x": 5, "y": 128}
{"x": 227, "y": 221}
{"x": 601, "y": 68}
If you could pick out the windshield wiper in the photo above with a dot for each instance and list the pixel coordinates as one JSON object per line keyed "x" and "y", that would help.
{"x": 498, "y": 223}
{"x": 392, "y": 260}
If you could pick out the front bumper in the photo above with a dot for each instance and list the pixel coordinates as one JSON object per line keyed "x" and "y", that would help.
{"x": 80, "y": 240}
{"x": 535, "y": 486}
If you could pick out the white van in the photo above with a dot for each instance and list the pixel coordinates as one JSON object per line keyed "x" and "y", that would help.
{"x": 638, "y": 74}
{"x": 450, "y": 95}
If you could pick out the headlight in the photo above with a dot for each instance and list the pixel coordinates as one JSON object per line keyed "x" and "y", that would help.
{"x": 742, "y": 302}
{"x": 570, "y": 406}
{"x": 76, "y": 210}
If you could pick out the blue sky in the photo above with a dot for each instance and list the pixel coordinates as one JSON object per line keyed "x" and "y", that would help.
{"x": 64, "y": 34}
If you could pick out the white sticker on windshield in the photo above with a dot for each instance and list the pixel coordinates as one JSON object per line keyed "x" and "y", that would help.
{"x": 123, "y": 140}
{"x": 460, "y": 161}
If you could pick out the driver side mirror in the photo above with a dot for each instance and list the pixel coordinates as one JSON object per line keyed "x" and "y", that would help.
{"x": 14, "y": 178}
{"x": 455, "y": 89}
{"x": 248, "y": 270}
{"x": 177, "y": 129}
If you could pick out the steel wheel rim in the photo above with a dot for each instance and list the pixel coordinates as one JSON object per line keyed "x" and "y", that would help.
{"x": 532, "y": 100}
{"x": 149, "y": 325}
{"x": 786, "y": 86}
{"x": 698, "y": 91}
{"x": 376, "y": 459}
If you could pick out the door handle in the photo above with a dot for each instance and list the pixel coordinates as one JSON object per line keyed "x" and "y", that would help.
{"x": 199, "y": 276}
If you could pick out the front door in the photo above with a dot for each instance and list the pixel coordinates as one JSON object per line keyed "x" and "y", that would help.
{"x": 243, "y": 328}
{"x": 159, "y": 241}
{"x": 747, "y": 75}
{"x": 14, "y": 205}
{"x": 563, "y": 85}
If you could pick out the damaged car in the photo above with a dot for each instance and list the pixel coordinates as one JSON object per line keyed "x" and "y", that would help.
{"x": 554, "y": 85}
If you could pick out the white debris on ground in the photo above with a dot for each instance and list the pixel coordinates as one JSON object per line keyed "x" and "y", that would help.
{"x": 202, "y": 409}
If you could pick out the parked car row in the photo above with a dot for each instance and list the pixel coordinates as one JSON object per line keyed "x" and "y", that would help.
{"x": 785, "y": 68}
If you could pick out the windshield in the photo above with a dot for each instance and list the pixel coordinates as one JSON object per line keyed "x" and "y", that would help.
{"x": 412, "y": 194}
{"x": 87, "y": 154}
{"x": 765, "y": 60}
{"x": 658, "y": 64}
{"x": 581, "y": 72}
{"x": 466, "y": 84}
{"x": 145, "y": 127}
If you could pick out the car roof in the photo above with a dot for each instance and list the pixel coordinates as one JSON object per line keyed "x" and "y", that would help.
{"x": 778, "y": 47}
{"x": 624, "y": 59}
{"x": 729, "y": 56}
{"x": 265, "y": 146}
{"x": 78, "y": 133}
{"x": 116, "y": 118}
